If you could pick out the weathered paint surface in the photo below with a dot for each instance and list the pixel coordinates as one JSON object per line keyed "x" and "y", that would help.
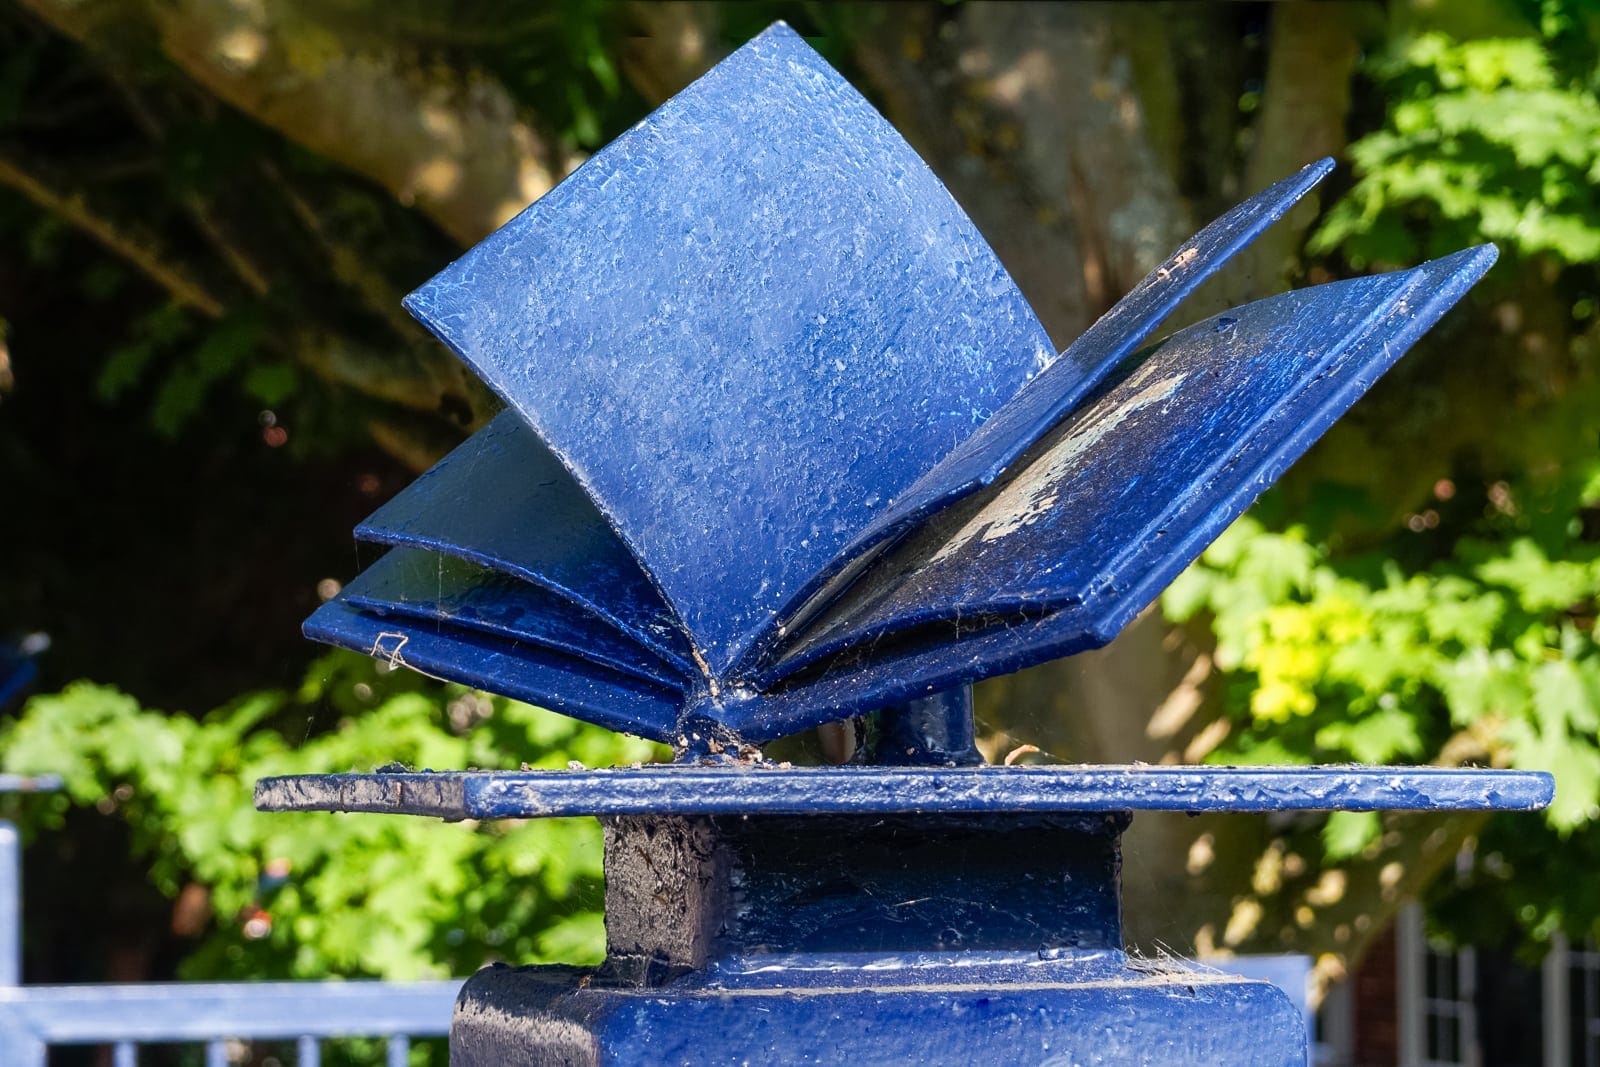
{"x": 503, "y": 501}
{"x": 745, "y": 325}
{"x": 767, "y": 788}
{"x": 1048, "y": 1013}
{"x": 787, "y": 445}
{"x": 933, "y": 939}
{"x": 428, "y": 586}
{"x": 1149, "y": 458}
{"x": 1124, "y": 524}
{"x": 1059, "y": 388}
{"x": 1069, "y": 544}
{"x": 572, "y": 685}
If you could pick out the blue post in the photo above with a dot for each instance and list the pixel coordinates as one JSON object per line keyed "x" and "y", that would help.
{"x": 785, "y": 446}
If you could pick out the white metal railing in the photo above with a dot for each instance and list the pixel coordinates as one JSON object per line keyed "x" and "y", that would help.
{"x": 33, "y": 1018}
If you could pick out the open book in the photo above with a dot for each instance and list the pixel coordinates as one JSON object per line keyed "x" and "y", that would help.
{"x": 785, "y": 443}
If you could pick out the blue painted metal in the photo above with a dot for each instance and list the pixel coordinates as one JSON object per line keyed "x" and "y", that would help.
{"x": 745, "y": 326}
{"x": 772, "y": 789}
{"x": 432, "y": 587}
{"x": 568, "y": 684}
{"x": 17, "y": 667}
{"x": 866, "y": 1009}
{"x": 869, "y": 939}
{"x": 11, "y": 877}
{"x": 785, "y": 446}
{"x": 1144, "y": 475}
{"x": 766, "y": 575}
{"x": 1290, "y": 972}
{"x": 35, "y": 1018}
{"x": 908, "y": 370}
{"x": 1058, "y": 388}
{"x": 10, "y": 905}
{"x": 29, "y": 783}
{"x": 934, "y": 730}
{"x": 503, "y": 501}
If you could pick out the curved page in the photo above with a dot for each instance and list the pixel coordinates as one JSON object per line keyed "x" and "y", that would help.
{"x": 1060, "y": 387}
{"x": 565, "y": 684}
{"x": 1086, "y": 533}
{"x": 428, "y": 587}
{"x": 503, "y": 501}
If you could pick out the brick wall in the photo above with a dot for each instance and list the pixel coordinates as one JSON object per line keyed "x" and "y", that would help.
{"x": 1374, "y": 1005}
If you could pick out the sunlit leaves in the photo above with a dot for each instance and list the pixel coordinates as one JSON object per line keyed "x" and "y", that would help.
{"x": 1486, "y": 136}
{"x": 334, "y": 894}
{"x": 1384, "y": 737}
{"x": 1346, "y": 833}
{"x": 1540, "y": 583}
{"x": 1381, "y": 669}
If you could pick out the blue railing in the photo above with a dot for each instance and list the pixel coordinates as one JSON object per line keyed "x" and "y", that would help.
{"x": 34, "y": 1018}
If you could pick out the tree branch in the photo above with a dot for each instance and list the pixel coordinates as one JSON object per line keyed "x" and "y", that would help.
{"x": 455, "y": 146}
{"x": 1305, "y": 100}
{"x": 139, "y": 250}
{"x": 200, "y": 212}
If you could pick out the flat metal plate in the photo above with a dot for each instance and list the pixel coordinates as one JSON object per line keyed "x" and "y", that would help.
{"x": 771, "y": 789}
{"x": 747, "y": 325}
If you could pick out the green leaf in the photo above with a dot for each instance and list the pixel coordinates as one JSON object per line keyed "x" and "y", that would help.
{"x": 1577, "y": 773}
{"x": 272, "y": 383}
{"x": 1346, "y": 833}
{"x": 1541, "y": 584}
{"x": 187, "y": 386}
{"x": 1378, "y": 738}
{"x": 355, "y": 899}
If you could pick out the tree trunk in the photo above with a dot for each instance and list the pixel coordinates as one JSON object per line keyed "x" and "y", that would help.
{"x": 453, "y": 144}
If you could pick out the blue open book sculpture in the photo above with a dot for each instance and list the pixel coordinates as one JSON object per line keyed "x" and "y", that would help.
{"x": 785, "y": 443}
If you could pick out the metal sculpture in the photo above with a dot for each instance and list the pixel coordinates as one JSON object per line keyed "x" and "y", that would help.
{"x": 785, "y": 445}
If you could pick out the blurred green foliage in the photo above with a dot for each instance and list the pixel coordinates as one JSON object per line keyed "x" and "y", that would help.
{"x": 1485, "y": 140}
{"x": 1461, "y": 629}
{"x": 299, "y": 896}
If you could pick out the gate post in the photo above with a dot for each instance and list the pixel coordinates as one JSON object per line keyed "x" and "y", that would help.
{"x": 786, "y": 448}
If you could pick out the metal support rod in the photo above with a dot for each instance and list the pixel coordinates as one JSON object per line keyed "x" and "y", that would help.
{"x": 933, "y": 730}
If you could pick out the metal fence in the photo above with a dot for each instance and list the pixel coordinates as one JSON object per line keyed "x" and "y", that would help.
{"x": 35, "y": 1018}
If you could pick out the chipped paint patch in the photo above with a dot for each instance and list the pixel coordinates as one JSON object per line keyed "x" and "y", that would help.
{"x": 1034, "y": 492}
{"x": 1178, "y": 262}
